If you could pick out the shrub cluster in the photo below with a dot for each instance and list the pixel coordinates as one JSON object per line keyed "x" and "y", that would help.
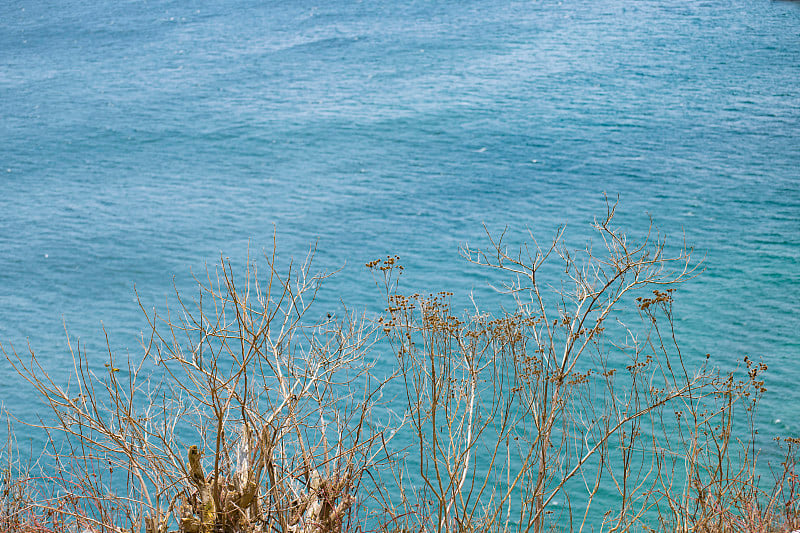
{"x": 245, "y": 413}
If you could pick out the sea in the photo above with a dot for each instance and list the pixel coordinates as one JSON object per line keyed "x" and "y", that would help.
{"x": 141, "y": 141}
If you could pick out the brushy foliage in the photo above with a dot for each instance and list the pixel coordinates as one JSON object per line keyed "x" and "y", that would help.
{"x": 246, "y": 413}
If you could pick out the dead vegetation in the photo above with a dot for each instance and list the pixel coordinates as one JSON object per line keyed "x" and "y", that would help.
{"x": 247, "y": 412}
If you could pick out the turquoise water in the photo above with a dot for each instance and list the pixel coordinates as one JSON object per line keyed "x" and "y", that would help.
{"x": 141, "y": 140}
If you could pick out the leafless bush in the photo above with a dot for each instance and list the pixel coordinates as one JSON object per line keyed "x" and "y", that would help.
{"x": 248, "y": 413}
{"x": 243, "y": 414}
{"x": 578, "y": 388}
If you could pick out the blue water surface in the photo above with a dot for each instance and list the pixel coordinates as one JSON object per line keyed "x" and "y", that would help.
{"x": 141, "y": 140}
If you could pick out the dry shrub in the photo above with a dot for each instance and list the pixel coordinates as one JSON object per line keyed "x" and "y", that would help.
{"x": 247, "y": 412}
{"x": 244, "y": 413}
{"x": 578, "y": 388}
